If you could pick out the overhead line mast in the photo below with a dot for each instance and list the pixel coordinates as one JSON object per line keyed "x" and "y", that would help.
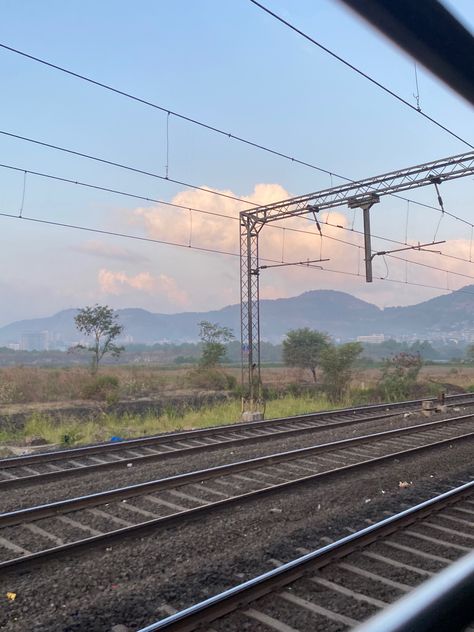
{"x": 362, "y": 194}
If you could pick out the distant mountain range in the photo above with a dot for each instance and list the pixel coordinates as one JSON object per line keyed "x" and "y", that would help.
{"x": 341, "y": 315}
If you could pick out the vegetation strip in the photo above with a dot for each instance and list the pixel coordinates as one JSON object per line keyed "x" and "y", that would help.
{"x": 190, "y": 434}
{"x": 48, "y": 476}
{"x": 175, "y": 518}
{"x": 239, "y": 596}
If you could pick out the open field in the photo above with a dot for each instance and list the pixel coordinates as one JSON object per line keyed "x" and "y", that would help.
{"x": 21, "y": 385}
{"x": 38, "y": 395}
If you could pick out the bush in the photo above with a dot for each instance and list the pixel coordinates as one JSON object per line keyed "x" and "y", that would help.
{"x": 337, "y": 363}
{"x": 211, "y": 379}
{"x": 363, "y": 396}
{"x": 101, "y": 387}
{"x": 399, "y": 375}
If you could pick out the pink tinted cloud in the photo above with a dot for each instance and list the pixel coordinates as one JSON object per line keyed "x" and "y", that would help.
{"x": 118, "y": 283}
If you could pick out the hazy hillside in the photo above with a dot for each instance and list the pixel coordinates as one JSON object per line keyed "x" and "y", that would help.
{"x": 338, "y": 313}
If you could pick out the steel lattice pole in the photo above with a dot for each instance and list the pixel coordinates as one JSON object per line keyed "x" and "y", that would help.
{"x": 250, "y": 310}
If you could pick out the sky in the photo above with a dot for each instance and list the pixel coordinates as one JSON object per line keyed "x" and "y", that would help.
{"x": 233, "y": 67}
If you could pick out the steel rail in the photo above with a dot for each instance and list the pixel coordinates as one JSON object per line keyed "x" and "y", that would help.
{"x": 189, "y": 434}
{"x": 147, "y": 458}
{"x": 167, "y": 439}
{"x": 247, "y": 592}
{"x": 441, "y": 603}
{"x": 72, "y": 504}
{"x": 54, "y": 509}
{"x": 29, "y": 459}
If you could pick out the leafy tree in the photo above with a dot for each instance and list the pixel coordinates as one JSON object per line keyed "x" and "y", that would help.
{"x": 337, "y": 364}
{"x": 399, "y": 375}
{"x": 99, "y": 322}
{"x": 213, "y": 339}
{"x": 303, "y": 348}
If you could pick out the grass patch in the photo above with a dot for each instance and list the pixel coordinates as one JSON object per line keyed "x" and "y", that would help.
{"x": 75, "y": 432}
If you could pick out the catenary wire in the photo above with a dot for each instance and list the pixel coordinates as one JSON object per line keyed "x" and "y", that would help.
{"x": 122, "y": 166}
{"x": 182, "y": 183}
{"x": 212, "y": 213}
{"x": 220, "y": 252}
{"x": 195, "y": 121}
{"x": 168, "y": 111}
{"x": 360, "y": 72}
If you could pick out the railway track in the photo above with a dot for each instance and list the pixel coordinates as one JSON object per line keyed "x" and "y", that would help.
{"x": 45, "y": 531}
{"x": 344, "y": 583}
{"x": 43, "y": 467}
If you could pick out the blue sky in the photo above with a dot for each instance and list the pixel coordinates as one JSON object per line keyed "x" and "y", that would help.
{"x": 230, "y": 65}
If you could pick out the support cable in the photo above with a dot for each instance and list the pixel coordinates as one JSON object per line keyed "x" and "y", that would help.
{"x": 222, "y": 215}
{"x": 169, "y": 112}
{"x": 181, "y": 183}
{"x": 360, "y": 72}
{"x": 167, "y": 146}
{"x": 189, "y": 120}
{"x": 417, "y": 94}
{"x": 207, "y": 250}
{"x": 23, "y": 194}
{"x": 112, "y": 163}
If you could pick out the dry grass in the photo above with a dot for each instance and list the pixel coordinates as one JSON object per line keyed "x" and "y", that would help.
{"x": 22, "y": 385}
{"x": 76, "y": 432}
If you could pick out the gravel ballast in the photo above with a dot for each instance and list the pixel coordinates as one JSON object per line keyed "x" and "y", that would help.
{"x": 136, "y": 582}
{"x": 84, "y": 484}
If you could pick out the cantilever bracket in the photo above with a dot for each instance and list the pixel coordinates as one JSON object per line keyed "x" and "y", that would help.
{"x": 315, "y": 209}
{"x": 366, "y": 203}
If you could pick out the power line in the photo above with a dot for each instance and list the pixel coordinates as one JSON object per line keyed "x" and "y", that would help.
{"x": 101, "y": 231}
{"x": 206, "y": 212}
{"x": 105, "y": 189}
{"x": 220, "y": 252}
{"x": 387, "y": 239}
{"x": 360, "y": 72}
{"x": 169, "y": 112}
{"x": 142, "y": 172}
{"x": 121, "y": 166}
{"x": 199, "y": 123}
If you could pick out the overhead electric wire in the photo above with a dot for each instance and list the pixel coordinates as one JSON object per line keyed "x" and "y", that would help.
{"x": 223, "y": 252}
{"x": 168, "y": 111}
{"x": 359, "y": 72}
{"x": 121, "y": 166}
{"x": 194, "y": 121}
{"x": 181, "y": 183}
{"x": 105, "y": 189}
{"x": 206, "y": 212}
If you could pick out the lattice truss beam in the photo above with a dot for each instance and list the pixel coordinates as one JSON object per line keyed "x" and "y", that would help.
{"x": 361, "y": 194}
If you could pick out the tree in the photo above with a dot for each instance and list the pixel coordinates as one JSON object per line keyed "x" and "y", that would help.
{"x": 99, "y": 322}
{"x": 337, "y": 364}
{"x": 213, "y": 339}
{"x": 399, "y": 375}
{"x": 303, "y": 347}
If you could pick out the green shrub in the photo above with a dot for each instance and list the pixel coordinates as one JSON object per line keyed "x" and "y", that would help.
{"x": 399, "y": 376}
{"x": 361, "y": 396}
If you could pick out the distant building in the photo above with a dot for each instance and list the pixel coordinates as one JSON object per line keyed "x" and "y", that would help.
{"x": 14, "y": 346}
{"x": 373, "y": 338}
{"x": 34, "y": 341}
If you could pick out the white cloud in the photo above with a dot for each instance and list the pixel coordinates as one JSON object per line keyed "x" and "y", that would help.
{"x": 300, "y": 241}
{"x": 119, "y": 283}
